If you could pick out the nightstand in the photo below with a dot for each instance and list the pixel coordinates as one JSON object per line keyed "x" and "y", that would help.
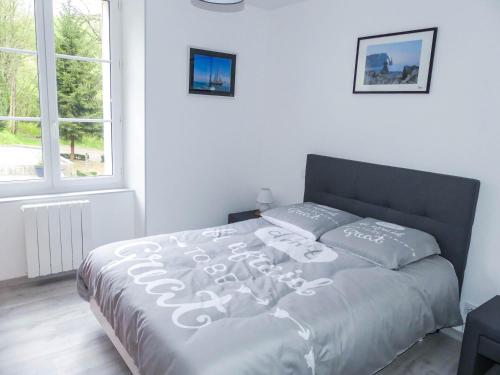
{"x": 242, "y": 216}
{"x": 481, "y": 342}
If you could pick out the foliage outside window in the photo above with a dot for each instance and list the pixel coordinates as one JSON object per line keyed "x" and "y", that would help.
{"x": 64, "y": 85}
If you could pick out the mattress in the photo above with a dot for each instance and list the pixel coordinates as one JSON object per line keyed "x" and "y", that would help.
{"x": 253, "y": 298}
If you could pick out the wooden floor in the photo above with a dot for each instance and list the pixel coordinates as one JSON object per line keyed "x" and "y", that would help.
{"x": 48, "y": 329}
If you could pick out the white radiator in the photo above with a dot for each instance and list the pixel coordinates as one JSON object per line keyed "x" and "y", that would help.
{"x": 58, "y": 236}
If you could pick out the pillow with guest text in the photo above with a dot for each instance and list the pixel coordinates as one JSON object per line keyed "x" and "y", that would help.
{"x": 385, "y": 244}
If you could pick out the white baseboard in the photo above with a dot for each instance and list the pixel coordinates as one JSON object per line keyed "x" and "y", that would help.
{"x": 24, "y": 281}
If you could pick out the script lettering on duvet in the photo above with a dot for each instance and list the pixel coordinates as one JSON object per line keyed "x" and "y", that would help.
{"x": 262, "y": 263}
{"x": 295, "y": 246}
{"x": 147, "y": 270}
{"x": 146, "y": 267}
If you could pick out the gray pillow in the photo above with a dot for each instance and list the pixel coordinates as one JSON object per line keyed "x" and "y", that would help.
{"x": 310, "y": 220}
{"x": 385, "y": 244}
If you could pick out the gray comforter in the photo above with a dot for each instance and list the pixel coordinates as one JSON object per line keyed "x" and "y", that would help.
{"x": 252, "y": 298}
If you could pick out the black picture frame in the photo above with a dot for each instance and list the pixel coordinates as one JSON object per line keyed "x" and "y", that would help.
{"x": 434, "y": 30}
{"x": 213, "y": 91}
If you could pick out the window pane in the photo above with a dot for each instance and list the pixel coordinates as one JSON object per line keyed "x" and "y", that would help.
{"x": 20, "y": 151}
{"x": 17, "y": 24}
{"x": 18, "y": 85}
{"x": 82, "y": 28}
{"x": 82, "y": 88}
{"x": 85, "y": 149}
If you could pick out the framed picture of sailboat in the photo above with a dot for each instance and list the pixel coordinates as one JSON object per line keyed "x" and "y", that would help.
{"x": 211, "y": 73}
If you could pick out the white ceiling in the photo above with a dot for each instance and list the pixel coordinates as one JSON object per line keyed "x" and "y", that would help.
{"x": 272, "y": 4}
{"x": 262, "y": 4}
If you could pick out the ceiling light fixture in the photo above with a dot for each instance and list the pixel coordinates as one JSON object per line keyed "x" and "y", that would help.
{"x": 223, "y": 2}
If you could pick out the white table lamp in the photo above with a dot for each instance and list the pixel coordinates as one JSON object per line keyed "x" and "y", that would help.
{"x": 264, "y": 199}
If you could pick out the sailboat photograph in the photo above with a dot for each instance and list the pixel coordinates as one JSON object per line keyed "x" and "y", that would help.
{"x": 212, "y": 73}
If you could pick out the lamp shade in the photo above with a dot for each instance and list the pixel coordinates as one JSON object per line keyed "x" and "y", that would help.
{"x": 265, "y": 196}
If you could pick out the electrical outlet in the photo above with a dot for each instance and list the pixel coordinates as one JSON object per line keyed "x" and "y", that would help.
{"x": 468, "y": 307}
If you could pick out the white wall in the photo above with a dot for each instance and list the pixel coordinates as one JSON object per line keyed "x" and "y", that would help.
{"x": 452, "y": 130}
{"x": 112, "y": 220}
{"x": 133, "y": 97}
{"x": 203, "y": 153}
{"x": 207, "y": 156}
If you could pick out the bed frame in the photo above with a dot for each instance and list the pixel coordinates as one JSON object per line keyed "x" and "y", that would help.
{"x": 441, "y": 205}
{"x": 438, "y": 204}
{"x": 108, "y": 329}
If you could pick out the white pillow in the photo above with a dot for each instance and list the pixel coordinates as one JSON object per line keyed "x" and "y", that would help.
{"x": 309, "y": 220}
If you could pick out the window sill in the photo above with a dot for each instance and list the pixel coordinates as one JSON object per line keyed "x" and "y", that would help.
{"x": 62, "y": 195}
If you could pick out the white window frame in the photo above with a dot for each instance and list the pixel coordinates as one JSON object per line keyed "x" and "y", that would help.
{"x": 52, "y": 182}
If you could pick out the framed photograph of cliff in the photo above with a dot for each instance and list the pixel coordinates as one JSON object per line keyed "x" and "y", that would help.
{"x": 397, "y": 63}
{"x": 211, "y": 73}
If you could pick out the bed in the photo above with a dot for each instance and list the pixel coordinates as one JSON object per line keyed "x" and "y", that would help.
{"x": 228, "y": 300}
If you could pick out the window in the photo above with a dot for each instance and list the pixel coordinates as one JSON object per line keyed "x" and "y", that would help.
{"x": 59, "y": 102}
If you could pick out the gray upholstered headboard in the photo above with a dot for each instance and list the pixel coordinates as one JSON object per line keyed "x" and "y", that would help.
{"x": 441, "y": 205}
